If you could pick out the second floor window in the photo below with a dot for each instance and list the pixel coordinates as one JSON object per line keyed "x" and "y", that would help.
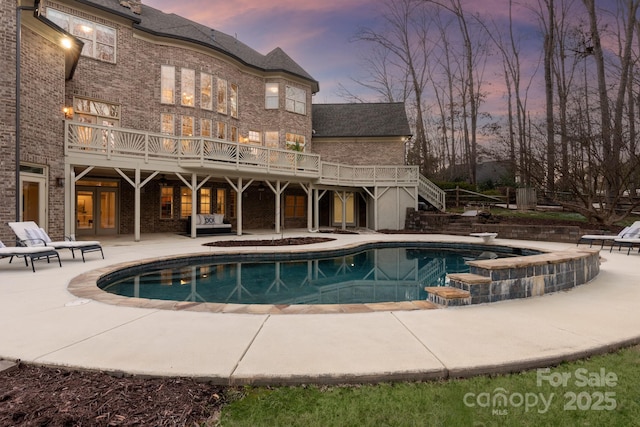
{"x": 222, "y": 96}
{"x": 272, "y": 139}
{"x": 188, "y": 83}
{"x": 187, "y": 126}
{"x": 296, "y": 100}
{"x": 99, "y": 40}
{"x": 167, "y": 124}
{"x": 206, "y": 88}
{"x": 295, "y": 142}
{"x": 254, "y": 137}
{"x": 222, "y": 131}
{"x": 205, "y": 128}
{"x": 167, "y": 127}
{"x": 233, "y": 100}
{"x": 271, "y": 96}
{"x": 102, "y": 113}
{"x": 167, "y": 84}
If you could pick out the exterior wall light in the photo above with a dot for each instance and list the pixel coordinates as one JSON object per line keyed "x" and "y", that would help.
{"x": 66, "y": 42}
{"x": 68, "y": 112}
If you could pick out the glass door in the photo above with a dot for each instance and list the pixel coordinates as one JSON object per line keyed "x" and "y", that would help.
{"x": 33, "y": 193}
{"x": 85, "y": 208}
{"x": 107, "y": 211}
{"x": 96, "y": 210}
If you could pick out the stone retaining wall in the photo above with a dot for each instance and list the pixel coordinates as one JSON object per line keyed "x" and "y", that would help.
{"x": 427, "y": 222}
{"x": 521, "y": 277}
{"x": 552, "y": 233}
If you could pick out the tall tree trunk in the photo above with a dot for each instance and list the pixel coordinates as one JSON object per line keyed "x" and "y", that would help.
{"x": 549, "y": 43}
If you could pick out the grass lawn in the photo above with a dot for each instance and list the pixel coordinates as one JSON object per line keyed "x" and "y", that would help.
{"x": 600, "y": 391}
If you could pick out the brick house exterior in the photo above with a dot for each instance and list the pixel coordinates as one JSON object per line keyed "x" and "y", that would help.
{"x": 103, "y": 166}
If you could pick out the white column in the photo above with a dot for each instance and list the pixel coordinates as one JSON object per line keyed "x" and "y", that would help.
{"x": 239, "y": 191}
{"x": 136, "y": 206}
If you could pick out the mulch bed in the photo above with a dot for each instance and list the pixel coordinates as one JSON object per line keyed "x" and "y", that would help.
{"x": 271, "y": 242}
{"x": 37, "y": 396}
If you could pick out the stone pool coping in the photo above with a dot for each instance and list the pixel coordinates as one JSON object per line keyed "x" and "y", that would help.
{"x": 85, "y": 286}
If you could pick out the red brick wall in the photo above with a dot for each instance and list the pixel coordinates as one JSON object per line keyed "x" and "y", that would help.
{"x": 360, "y": 151}
{"x": 42, "y": 99}
{"x": 7, "y": 118}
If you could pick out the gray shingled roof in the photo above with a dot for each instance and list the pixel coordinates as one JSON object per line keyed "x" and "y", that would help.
{"x": 171, "y": 25}
{"x": 360, "y": 120}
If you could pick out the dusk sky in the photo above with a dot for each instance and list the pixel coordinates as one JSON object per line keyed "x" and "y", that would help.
{"x": 314, "y": 33}
{"x": 318, "y": 34}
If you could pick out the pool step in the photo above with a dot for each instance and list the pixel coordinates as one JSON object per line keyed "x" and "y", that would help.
{"x": 479, "y": 287}
{"x": 448, "y": 296}
{"x": 464, "y": 289}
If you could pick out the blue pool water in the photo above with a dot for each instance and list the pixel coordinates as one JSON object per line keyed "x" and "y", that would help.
{"x": 376, "y": 274}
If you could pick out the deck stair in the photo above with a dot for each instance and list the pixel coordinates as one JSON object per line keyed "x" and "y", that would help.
{"x": 431, "y": 193}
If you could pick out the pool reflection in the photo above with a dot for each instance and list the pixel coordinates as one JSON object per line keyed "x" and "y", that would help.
{"x": 374, "y": 275}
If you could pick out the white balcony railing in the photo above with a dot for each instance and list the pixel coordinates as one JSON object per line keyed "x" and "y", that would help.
{"x": 339, "y": 174}
{"x": 110, "y": 142}
{"x": 119, "y": 143}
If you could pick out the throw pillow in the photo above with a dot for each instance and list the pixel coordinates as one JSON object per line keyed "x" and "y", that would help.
{"x": 44, "y": 236}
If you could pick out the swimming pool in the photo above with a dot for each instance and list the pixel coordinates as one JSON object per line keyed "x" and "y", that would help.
{"x": 374, "y": 273}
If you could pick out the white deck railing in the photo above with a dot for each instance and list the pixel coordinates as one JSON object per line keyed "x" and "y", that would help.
{"x": 110, "y": 142}
{"x": 119, "y": 143}
{"x": 340, "y": 174}
{"x": 432, "y": 193}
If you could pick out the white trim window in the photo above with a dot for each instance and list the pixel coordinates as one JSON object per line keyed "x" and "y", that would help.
{"x": 295, "y": 142}
{"x": 167, "y": 124}
{"x": 99, "y": 40}
{"x": 222, "y": 96}
{"x": 296, "y": 100}
{"x": 167, "y": 84}
{"x": 255, "y": 137}
{"x": 233, "y": 100}
{"x": 167, "y": 127}
{"x": 185, "y": 202}
{"x": 188, "y": 84}
{"x": 206, "y": 88}
{"x": 271, "y": 97}
{"x": 205, "y": 128}
{"x": 222, "y": 130}
{"x": 234, "y": 134}
{"x": 295, "y": 206}
{"x": 272, "y": 139}
{"x": 102, "y": 113}
{"x": 205, "y": 200}
{"x": 187, "y": 125}
{"x": 166, "y": 202}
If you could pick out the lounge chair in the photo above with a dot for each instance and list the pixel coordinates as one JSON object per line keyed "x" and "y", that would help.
{"x": 631, "y": 231}
{"x": 33, "y": 253}
{"x": 29, "y": 234}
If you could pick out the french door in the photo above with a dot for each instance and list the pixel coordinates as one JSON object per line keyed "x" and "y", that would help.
{"x": 33, "y": 195}
{"x": 96, "y": 211}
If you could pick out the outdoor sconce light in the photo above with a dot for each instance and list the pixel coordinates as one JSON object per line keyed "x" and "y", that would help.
{"x": 68, "y": 112}
{"x": 66, "y": 43}
{"x": 60, "y": 182}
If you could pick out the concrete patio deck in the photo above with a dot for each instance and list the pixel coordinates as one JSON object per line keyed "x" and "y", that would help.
{"x": 41, "y": 322}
